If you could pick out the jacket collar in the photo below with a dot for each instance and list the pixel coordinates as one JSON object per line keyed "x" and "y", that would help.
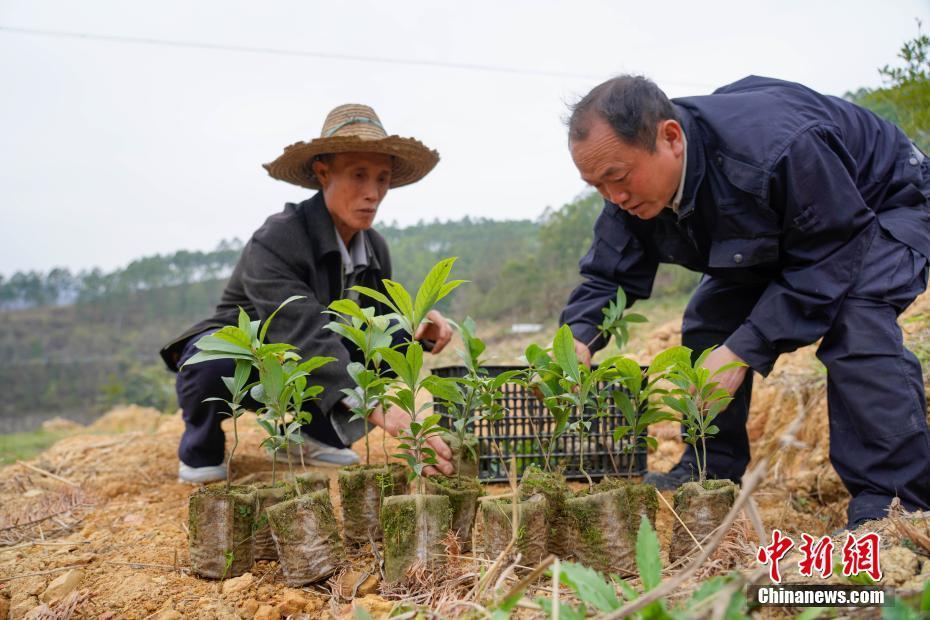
{"x": 694, "y": 174}
{"x": 322, "y": 231}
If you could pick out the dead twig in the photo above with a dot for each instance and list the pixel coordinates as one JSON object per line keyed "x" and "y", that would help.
{"x": 144, "y": 565}
{"x": 41, "y": 572}
{"x": 533, "y": 575}
{"x": 44, "y": 543}
{"x": 45, "y": 518}
{"x": 669, "y": 506}
{"x": 268, "y": 572}
{"x": 48, "y": 474}
{"x": 752, "y": 511}
{"x": 62, "y": 610}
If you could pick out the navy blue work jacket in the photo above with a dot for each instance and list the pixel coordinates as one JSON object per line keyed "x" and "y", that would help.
{"x": 783, "y": 186}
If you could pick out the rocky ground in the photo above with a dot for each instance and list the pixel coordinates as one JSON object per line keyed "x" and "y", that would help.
{"x": 96, "y": 526}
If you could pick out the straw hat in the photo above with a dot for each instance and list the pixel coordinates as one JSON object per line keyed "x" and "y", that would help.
{"x": 354, "y": 128}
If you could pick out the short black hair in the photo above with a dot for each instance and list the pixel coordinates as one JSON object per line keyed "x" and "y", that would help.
{"x": 631, "y": 104}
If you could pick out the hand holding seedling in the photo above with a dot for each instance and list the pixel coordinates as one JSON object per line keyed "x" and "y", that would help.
{"x": 730, "y": 379}
{"x": 436, "y": 329}
{"x": 397, "y": 421}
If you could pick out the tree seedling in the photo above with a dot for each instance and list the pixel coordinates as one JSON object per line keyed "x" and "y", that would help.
{"x": 481, "y": 393}
{"x": 414, "y": 439}
{"x": 637, "y": 403}
{"x": 580, "y": 390}
{"x": 368, "y": 333}
{"x": 282, "y": 387}
{"x": 409, "y": 312}
{"x": 545, "y": 376}
{"x": 697, "y": 399}
{"x": 617, "y": 321}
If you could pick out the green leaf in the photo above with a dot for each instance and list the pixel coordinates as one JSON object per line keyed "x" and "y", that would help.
{"x": 241, "y": 374}
{"x": 214, "y": 344}
{"x": 536, "y": 356}
{"x": 245, "y": 323}
{"x": 272, "y": 378}
{"x": 276, "y": 348}
{"x": 349, "y": 332}
{"x": 443, "y": 389}
{"x": 676, "y": 404}
{"x": 590, "y": 586}
{"x": 376, "y": 295}
{"x": 209, "y": 356}
{"x": 699, "y": 362}
{"x": 620, "y": 431}
{"x": 233, "y": 335}
{"x": 429, "y": 291}
{"x": 415, "y": 361}
{"x": 566, "y": 611}
{"x": 348, "y": 307}
{"x": 312, "y": 392}
{"x": 653, "y": 416}
{"x": 648, "y": 560}
{"x": 398, "y": 363}
{"x": 563, "y": 348}
{"x": 431, "y": 421}
{"x": 314, "y": 363}
{"x": 728, "y": 366}
{"x": 675, "y": 356}
{"x": 629, "y": 369}
{"x": 267, "y": 323}
{"x": 505, "y": 377}
{"x": 401, "y": 299}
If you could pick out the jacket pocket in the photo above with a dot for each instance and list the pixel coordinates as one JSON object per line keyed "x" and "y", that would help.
{"x": 746, "y": 252}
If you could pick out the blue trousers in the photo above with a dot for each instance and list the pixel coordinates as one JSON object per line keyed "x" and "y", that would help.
{"x": 879, "y": 440}
{"x": 203, "y": 441}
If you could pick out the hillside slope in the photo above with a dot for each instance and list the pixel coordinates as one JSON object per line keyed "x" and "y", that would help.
{"x": 104, "y": 507}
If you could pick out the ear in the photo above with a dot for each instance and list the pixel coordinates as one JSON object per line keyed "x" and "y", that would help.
{"x": 321, "y": 170}
{"x": 670, "y": 135}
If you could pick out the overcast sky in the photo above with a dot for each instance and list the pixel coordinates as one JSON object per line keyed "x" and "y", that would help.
{"x": 111, "y": 149}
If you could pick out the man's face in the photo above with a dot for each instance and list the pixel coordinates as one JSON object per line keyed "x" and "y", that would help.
{"x": 354, "y": 184}
{"x": 639, "y": 182}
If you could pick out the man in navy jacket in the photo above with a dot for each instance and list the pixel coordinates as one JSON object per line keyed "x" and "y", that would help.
{"x": 810, "y": 218}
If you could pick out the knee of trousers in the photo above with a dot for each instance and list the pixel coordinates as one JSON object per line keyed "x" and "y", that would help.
{"x": 199, "y": 381}
{"x": 875, "y": 385}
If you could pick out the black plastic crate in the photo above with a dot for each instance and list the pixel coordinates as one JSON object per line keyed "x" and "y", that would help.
{"x": 525, "y": 419}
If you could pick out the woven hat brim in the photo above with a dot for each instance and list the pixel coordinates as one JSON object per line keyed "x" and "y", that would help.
{"x": 412, "y": 159}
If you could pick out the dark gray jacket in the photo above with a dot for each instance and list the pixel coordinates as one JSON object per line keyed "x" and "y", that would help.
{"x": 295, "y": 252}
{"x": 784, "y": 187}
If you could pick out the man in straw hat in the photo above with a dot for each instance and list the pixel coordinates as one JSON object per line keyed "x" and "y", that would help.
{"x": 317, "y": 249}
{"x": 810, "y": 218}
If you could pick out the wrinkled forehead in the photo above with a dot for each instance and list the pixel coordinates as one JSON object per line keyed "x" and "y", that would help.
{"x": 602, "y": 154}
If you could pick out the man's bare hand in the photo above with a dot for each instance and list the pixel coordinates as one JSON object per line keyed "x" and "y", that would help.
{"x": 731, "y": 379}
{"x": 583, "y": 353}
{"x": 397, "y": 420}
{"x": 436, "y": 329}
